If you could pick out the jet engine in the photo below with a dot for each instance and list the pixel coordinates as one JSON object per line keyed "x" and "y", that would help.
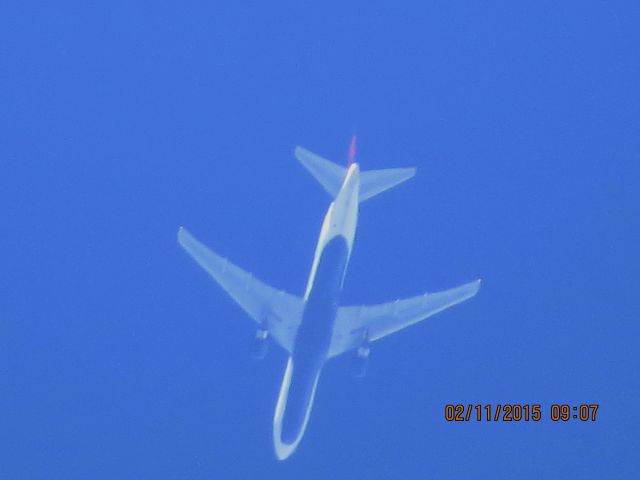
{"x": 260, "y": 344}
{"x": 361, "y": 361}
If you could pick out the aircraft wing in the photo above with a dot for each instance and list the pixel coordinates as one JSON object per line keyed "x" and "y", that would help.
{"x": 277, "y": 311}
{"x": 355, "y": 325}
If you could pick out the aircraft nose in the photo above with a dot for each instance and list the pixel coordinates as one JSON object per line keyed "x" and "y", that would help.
{"x": 283, "y": 450}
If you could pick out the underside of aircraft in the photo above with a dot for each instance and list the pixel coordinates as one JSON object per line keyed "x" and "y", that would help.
{"x": 315, "y": 327}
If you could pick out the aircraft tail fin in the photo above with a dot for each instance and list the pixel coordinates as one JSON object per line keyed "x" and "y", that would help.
{"x": 331, "y": 175}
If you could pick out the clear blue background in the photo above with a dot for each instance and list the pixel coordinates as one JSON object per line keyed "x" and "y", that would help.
{"x": 120, "y": 359}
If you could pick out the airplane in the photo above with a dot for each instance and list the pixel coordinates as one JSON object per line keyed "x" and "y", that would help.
{"x": 315, "y": 328}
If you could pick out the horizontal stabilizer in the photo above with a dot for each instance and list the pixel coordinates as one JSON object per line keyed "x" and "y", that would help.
{"x": 331, "y": 175}
{"x": 373, "y": 182}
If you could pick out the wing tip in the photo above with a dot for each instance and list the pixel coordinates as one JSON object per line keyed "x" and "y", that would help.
{"x": 300, "y": 152}
{"x": 183, "y": 235}
{"x": 476, "y": 284}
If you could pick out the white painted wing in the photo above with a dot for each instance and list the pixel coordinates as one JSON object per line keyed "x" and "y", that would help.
{"x": 355, "y": 324}
{"x": 278, "y": 311}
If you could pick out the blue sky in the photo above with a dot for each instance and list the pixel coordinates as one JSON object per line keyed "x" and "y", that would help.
{"x": 119, "y": 122}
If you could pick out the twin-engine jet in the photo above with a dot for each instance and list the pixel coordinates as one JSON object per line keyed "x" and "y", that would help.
{"x": 314, "y": 328}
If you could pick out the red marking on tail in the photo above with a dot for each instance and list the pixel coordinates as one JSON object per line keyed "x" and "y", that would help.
{"x": 352, "y": 151}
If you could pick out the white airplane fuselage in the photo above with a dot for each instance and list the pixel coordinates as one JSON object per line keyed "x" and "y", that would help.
{"x": 321, "y": 305}
{"x": 315, "y": 327}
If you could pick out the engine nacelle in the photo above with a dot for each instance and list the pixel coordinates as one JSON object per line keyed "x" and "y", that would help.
{"x": 361, "y": 361}
{"x": 260, "y": 344}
